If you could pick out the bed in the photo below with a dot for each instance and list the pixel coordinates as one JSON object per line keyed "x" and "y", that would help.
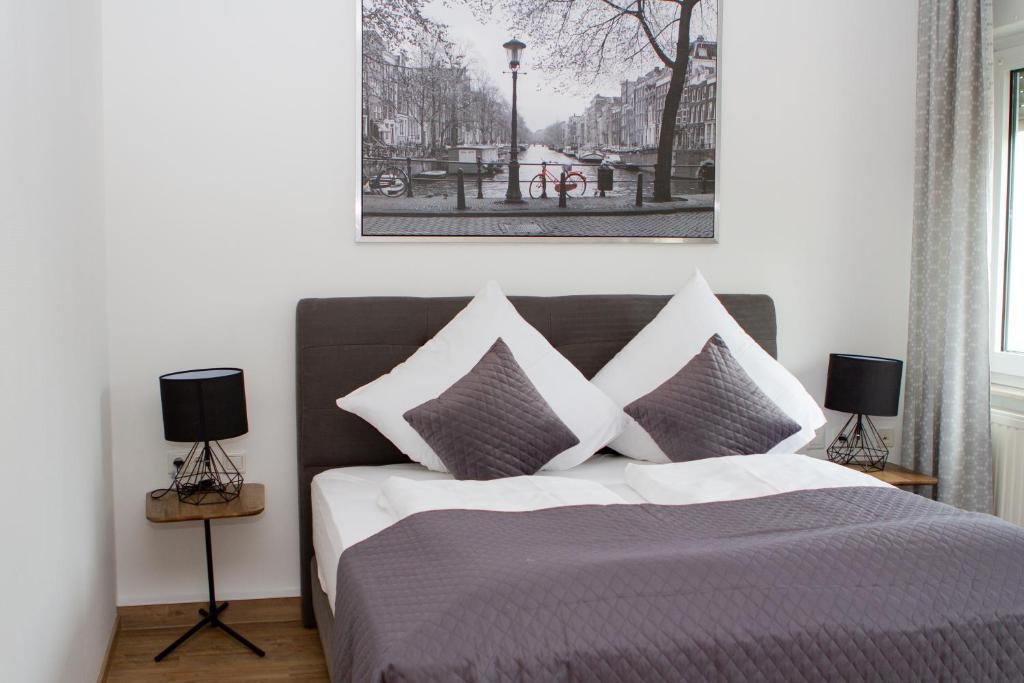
{"x": 963, "y": 624}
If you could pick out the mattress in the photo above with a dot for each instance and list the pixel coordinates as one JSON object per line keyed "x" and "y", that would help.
{"x": 346, "y": 509}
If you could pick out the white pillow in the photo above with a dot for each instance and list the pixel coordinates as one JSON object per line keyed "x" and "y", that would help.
{"x": 592, "y": 416}
{"x": 667, "y": 343}
{"x": 403, "y": 497}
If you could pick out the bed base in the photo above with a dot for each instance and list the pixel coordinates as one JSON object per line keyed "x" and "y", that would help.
{"x": 324, "y": 616}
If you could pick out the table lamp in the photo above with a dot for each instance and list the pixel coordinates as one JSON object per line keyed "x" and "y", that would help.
{"x": 862, "y": 386}
{"x": 201, "y": 407}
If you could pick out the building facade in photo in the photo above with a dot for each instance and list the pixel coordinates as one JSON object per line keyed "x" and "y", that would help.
{"x": 632, "y": 119}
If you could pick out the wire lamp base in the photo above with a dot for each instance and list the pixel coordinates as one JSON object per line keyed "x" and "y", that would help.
{"x": 859, "y": 443}
{"x": 207, "y": 476}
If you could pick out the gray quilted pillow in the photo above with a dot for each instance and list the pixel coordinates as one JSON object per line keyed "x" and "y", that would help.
{"x": 709, "y": 408}
{"x": 492, "y": 422}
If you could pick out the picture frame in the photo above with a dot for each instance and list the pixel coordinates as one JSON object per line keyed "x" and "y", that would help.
{"x": 411, "y": 157}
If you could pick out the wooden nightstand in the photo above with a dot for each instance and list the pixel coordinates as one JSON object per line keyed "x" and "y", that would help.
{"x": 168, "y": 508}
{"x": 901, "y": 476}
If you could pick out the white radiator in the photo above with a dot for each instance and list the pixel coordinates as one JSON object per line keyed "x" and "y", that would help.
{"x": 1008, "y": 463}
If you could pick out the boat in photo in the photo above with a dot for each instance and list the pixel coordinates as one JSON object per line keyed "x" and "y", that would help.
{"x": 591, "y": 157}
{"x": 569, "y": 152}
{"x": 428, "y": 175}
{"x": 465, "y": 158}
{"x": 637, "y": 158}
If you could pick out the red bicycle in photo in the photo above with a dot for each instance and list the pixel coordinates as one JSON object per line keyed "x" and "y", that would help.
{"x": 575, "y": 183}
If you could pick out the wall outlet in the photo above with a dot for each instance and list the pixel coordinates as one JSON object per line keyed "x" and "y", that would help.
{"x": 888, "y": 435}
{"x": 172, "y": 468}
{"x": 236, "y": 457}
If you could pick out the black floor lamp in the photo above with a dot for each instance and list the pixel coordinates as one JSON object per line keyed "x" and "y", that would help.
{"x": 862, "y": 386}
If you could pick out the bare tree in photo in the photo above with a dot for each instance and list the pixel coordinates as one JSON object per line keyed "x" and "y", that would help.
{"x": 396, "y": 21}
{"x": 678, "y": 63}
{"x": 587, "y": 38}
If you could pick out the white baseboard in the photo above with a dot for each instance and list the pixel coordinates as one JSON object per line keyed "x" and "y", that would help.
{"x": 202, "y": 596}
{"x": 105, "y": 664}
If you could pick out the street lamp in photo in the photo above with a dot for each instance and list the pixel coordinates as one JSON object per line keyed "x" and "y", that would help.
{"x": 514, "y": 49}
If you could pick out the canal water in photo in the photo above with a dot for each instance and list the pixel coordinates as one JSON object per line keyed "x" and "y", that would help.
{"x": 531, "y": 160}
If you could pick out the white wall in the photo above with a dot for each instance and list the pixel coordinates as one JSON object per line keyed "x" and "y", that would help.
{"x": 1007, "y": 12}
{"x": 1008, "y": 20}
{"x": 56, "y": 507}
{"x": 230, "y": 192}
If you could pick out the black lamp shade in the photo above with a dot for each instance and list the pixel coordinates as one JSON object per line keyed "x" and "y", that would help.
{"x": 203, "y": 405}
{"x": 865, "y": 385}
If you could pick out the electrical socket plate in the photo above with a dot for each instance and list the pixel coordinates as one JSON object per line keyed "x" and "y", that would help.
{"x": 888, "y": 435}
{"x": 817, "y": 443}
{"x": 171, "y": 457}
{"x": 236, "y": 457}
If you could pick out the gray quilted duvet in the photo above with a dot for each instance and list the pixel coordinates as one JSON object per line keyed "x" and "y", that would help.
{"x": 837, "y": 584}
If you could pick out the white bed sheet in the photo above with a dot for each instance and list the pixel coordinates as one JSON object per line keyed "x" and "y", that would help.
{"x": 736, "y": 477}
{"x": 345, "y": 508}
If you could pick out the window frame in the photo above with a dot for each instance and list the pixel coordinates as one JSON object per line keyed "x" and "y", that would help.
{"x": 1007, "y": 367}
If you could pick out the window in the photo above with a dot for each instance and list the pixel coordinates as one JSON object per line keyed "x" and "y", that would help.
{"x": 1007, "y": 254}
{"x": 1013, "y": 250}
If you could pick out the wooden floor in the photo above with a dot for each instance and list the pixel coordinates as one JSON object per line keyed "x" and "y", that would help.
{"x": 293, "y": 652}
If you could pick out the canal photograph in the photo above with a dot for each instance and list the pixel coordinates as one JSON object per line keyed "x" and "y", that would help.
{"x": 592, "y": 119}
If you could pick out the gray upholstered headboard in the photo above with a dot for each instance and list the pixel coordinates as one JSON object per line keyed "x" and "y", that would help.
{"x": 344, "y": 343}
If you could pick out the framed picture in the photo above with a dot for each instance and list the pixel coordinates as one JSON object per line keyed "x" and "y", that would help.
{"x": 519, "y": 120}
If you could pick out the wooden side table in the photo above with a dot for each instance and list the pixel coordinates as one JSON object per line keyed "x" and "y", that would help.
{"x": 901, "y": 476}
{"x": 168, "y": 508}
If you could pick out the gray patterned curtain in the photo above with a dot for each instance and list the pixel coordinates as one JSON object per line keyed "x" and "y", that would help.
{"x": 946, "y": 420}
